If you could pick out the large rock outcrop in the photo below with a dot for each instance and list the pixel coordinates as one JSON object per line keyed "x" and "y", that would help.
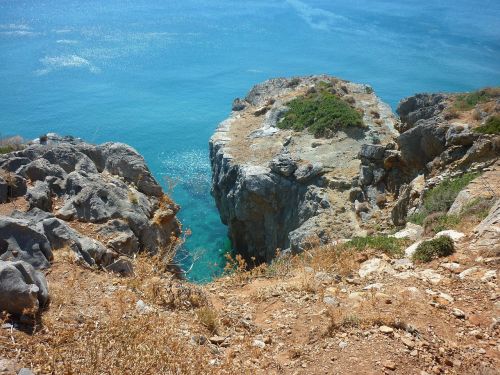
{"x": 438, "y": 141}
{"x": 276, "y": 189}
{"x": 101, "y": 202}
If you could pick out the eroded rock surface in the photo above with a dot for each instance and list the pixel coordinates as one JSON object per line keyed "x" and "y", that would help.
{"x": 277, "y": 188}
{"x": 100, "y": 202}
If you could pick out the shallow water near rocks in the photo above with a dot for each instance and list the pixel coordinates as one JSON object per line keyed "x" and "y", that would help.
{"x": 160, "y": 75}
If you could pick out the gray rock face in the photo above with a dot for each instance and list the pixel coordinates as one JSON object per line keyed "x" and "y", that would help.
{"x": 119, "y": 237}
{"x": 283, "y": 164}
{"x": 122, "y": 266}
{"x": 259, "y": 206}
{"x": 19, "y": 240}
{"x": 39, "y": 196}
{"x": 22, "y": 288}
{"x": 400, "y": 210}
{"x": 429, "y": 140}
{"x": 3, "y": 190}
{"x": 488, "y": 232}
{"x": 274, "y": 187}
{"x": 419, "y": 107}
{"x": 97, "y": 184}
{"x": 422, "y": 143}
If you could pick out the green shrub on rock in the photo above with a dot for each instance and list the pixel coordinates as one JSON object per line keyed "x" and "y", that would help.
{"x": 436, "y": 248}
{"x": 492, "y": 126}
{"x": 441, "y": 197}
{"x": 320, "y": 111}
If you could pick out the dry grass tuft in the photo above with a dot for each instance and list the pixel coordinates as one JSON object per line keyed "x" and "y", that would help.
{"x": 209, "y": 318}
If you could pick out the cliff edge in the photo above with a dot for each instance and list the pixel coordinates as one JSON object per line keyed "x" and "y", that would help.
{"x": 276, "y": 187}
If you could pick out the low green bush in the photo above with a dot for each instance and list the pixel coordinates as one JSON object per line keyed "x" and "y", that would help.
{"x": 6, "y": 149}
{"x": 436, "y": 248}
{"x": 466, "y": 102}
{"x": 320, "y": 111}
{"x": 441, "y": 197}
{"x": 389, "y": 245}
{"x": 492, "y": 126}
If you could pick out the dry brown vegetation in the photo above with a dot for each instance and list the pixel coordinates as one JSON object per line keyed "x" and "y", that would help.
{"x": 272, "y": 319}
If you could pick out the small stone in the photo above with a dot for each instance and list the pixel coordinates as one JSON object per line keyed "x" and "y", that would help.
{"x": 373, "y": 286}
{"x": 259, "y": 344}
{"x": 481, "y": 351}
{"x": 448, "y": 362}
{"x": 436, "y": 369}
{"x": 142, "y": 307}
{"x": 458, "y": 313}
{"x": 217, "y": 340}
{"x": 332, "y": 301}
{"x": 342, "y": 345}
{"x": 414, "y": 353}
{"x": 452, "y": 266}
{"x": 267, "y": 340}
{"x": 408, "y": 342}
{"x": 446, "y": 297}
{"x": 386, "y": 329}
{"x": 468, "y": 272}
{"x": 489, "y": 276}
{"x": 199, "y": 339}
{"x": 389, "y": 365}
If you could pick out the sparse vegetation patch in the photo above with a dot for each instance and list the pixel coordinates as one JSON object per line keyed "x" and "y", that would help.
{"x": 492, "y": 126}
{"x": 320, "y": 111}
{"x": 389, "y": 245}
{"x": 466, "y": 102}
{"x": 441, "y": 197}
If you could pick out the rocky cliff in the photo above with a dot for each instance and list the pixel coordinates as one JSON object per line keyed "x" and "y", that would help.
{"x": 275, "y": 188}
{"x": 100, "y": 203}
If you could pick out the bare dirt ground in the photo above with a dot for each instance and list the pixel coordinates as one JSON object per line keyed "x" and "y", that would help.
{"x": 312, "y": 314}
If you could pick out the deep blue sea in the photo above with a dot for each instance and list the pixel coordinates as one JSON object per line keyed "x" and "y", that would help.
{"x": 160, "y": 75}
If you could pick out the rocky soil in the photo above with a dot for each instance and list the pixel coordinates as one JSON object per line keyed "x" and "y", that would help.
{"x": 327, "y": 312}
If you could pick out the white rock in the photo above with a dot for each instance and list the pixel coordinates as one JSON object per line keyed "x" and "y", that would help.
{"x": 452, "y": 266}
{"x": 405, "y": 275}
{"x": 402, "y": 264}
{"x": 412, "y": 231}
{"x": 413, "y": 289}
{"x": 375, "y": 265}
{"x": 489, "y": 275}
{"x": 386, "y": 329}
{"x": 468, "y": 272}
{"x": 430, "y": 276}
{"x": 446, "y": 297}
{"x": 259, "y": 344}
{"x": 458, "y": 313}
{"x": 332, "y": 301}
{"x": 411, "y": 249}
{"x": 142, "y": 307}
{"x": 356, "y": 296}
{"x": 374, "y": 286}
{"x": 342, "y": 345}
{"x": 453, "y": 234}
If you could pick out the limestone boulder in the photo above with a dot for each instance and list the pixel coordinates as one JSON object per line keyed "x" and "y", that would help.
{"x": 22, "y": 288}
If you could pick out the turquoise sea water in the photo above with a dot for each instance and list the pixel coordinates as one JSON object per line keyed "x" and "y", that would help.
{"x": 160, "y": 75}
